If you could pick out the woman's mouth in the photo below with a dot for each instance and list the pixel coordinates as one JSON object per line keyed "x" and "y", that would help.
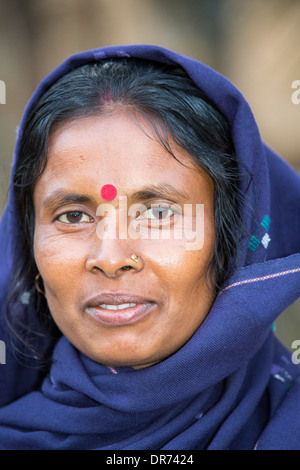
{"x": 118, "y": 313}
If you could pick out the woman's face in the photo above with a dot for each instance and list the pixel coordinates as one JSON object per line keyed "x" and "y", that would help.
{"x": 79, "y": 261}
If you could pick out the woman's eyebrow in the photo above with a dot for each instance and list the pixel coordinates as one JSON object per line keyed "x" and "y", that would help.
{"x": 61, "y": 198}
{"x": 159, "y": 191}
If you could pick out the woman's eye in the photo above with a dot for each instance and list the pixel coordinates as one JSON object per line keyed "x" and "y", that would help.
{"x": 74, "y": 217}
{"x": 158, "y": 213}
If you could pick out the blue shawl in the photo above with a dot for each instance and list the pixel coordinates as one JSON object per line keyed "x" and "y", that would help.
{"x": 233, "y": 385}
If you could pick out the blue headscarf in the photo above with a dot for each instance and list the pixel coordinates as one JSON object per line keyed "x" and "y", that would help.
{"x": 233, "y": 385}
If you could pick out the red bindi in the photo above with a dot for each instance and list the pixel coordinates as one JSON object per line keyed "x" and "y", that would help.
{"x": 108, "y": 192}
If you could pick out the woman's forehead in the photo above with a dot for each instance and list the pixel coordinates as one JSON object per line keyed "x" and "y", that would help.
{"x": 115, "y": 150}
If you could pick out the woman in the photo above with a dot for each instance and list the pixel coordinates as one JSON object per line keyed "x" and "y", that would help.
{"x": 156, "y": 239}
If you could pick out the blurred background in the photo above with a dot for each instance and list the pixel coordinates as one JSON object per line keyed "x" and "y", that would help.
{"x": 255, "y": 43}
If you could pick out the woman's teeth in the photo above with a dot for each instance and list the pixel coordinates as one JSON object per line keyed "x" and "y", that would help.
{"x": 116, "y": 307}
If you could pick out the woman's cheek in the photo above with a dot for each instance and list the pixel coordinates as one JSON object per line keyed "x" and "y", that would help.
{"x": 58, "y": 254}
{"x": 163, "y": 253}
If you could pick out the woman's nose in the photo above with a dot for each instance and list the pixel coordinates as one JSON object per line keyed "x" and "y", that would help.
{"x": 112, "y": 258}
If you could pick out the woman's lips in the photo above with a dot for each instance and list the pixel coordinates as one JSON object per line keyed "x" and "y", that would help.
{"x": 124, "y": 316}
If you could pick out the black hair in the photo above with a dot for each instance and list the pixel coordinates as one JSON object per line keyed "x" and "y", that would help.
{"x": 175, "y": 107}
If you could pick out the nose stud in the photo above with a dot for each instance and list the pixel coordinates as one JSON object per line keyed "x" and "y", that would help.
{"x": 135, "y": 258}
